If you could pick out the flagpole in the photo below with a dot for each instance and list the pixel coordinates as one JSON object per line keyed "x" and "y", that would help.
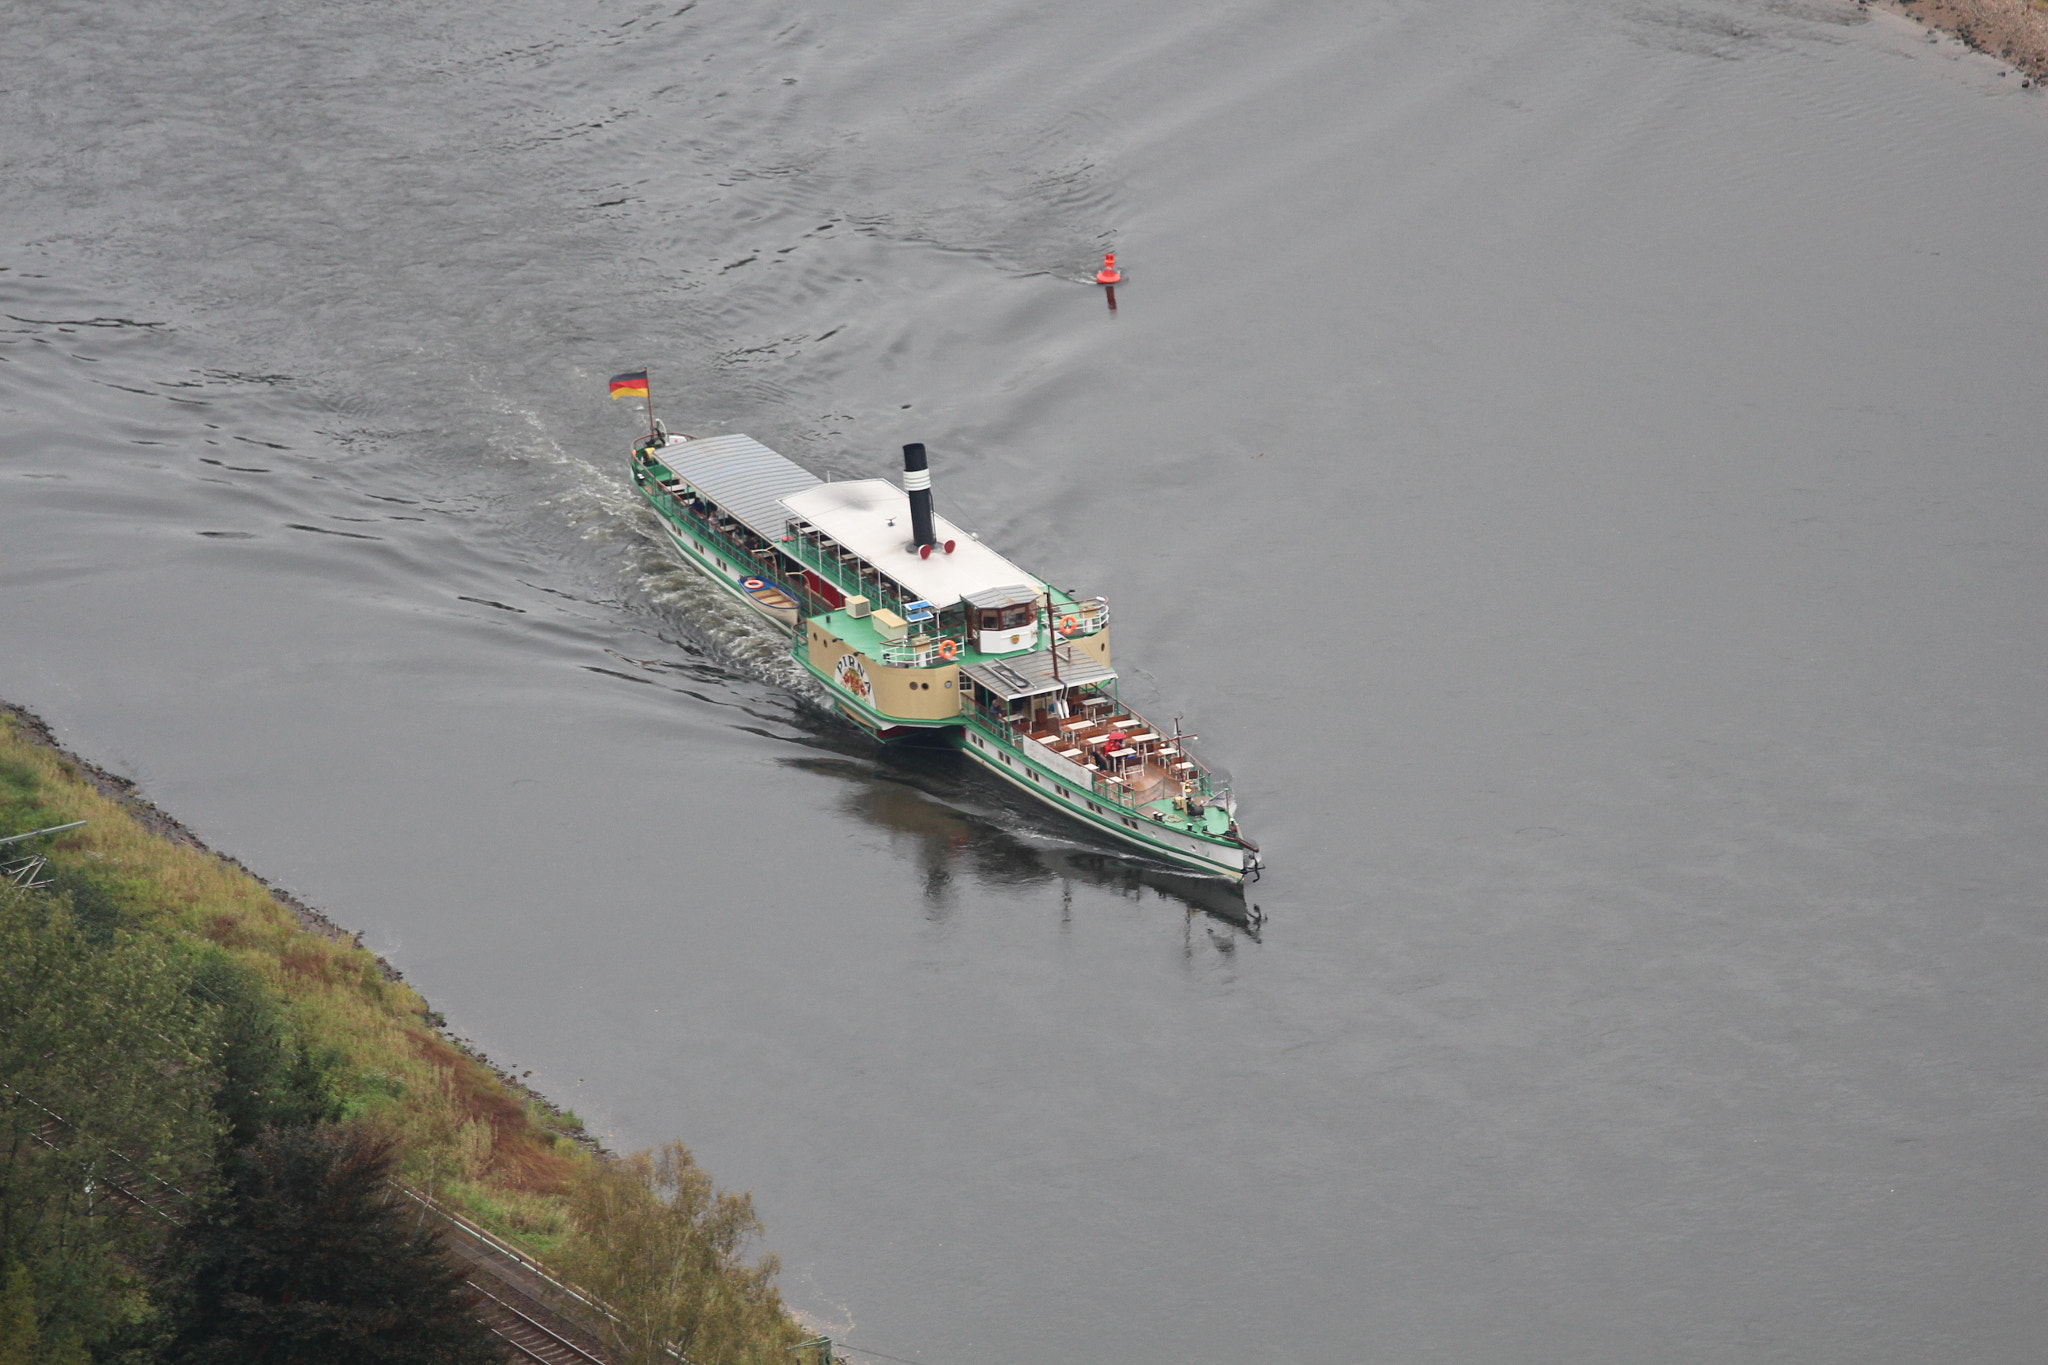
{"x": 650, "y": 404}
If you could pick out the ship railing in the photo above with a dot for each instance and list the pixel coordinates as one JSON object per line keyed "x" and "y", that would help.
{"x": 1201, "y": 781}
{"x": 919, "y": 651}
{"x": 1081, "y": 617}
{"x": 1005, "y": 731}
{"x": 827, "y": 567}
{"x": 673, "y": 503}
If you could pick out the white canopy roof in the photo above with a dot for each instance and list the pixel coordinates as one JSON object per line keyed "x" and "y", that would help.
{"x": 871, "y": 517}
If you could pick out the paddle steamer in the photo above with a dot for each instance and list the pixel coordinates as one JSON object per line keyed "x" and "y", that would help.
{"x": 912, "y": 624}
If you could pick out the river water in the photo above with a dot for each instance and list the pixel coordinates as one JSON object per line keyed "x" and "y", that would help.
{"x": 1579, "y": 465}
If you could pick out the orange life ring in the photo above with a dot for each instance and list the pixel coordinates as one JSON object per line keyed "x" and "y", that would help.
{"x": 1068, "y": 625}
{"x": 948, "y": 650}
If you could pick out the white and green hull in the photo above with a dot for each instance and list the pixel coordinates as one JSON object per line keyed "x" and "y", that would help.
{"x": 748, "y": 520}
{"x": 1216, "y": 855}
{"x": 1219, "y": 857}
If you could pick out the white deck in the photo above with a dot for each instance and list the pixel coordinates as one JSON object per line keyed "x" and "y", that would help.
{"x": 871, "y": 517}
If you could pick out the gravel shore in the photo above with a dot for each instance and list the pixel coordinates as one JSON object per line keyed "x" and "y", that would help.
{"x": 2015, "y": 31}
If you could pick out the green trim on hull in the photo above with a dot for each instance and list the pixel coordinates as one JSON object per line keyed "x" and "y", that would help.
{"x": 1170, "y": 830}
{"x": 1140, "y": 832}
{"x": 705, "y": 561}
{"x": 1084, "y": 806}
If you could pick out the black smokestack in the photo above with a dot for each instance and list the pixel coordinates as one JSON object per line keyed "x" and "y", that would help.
{"x": 917, "y": 481}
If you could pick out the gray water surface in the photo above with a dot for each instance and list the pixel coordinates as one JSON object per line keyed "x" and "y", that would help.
{"x": 1579, "y": 466}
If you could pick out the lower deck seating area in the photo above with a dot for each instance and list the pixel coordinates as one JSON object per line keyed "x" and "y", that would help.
{"x": 1121, "y": 749}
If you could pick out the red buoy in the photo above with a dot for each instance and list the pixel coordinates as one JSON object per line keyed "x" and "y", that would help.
{"x": 1108, "y": 275}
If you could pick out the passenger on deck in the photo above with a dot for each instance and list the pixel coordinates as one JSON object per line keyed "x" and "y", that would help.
{"x": 1118, "y": 741}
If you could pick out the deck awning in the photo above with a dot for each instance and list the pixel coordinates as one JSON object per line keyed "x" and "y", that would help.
{"x": 746, "y": 479}
{"x": 989, "y": 599}
{"x": 871, "y": 517}
{"x": 1030, "y": 675}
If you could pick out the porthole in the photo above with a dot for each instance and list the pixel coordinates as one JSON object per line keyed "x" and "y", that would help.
{"x": 949, "y": 684}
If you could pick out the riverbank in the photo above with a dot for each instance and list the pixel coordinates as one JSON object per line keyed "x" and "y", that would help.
{"x": 471, "y": 1140}
{"x": 2014, "y": 31}
{"x": 496, "y": 1149}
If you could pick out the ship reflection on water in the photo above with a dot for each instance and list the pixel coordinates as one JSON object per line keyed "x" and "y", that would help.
{"x": 966, "y": 830}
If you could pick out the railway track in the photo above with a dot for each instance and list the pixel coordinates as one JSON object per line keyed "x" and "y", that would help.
{"x": 527, "y": 1337}
{"x": 137, "y": 1189}
{"x": 537, "y": 1317}
{"x": 531, "y": 1312}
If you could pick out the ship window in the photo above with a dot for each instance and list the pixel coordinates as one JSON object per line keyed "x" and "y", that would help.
{"x": 1008, "y": 618}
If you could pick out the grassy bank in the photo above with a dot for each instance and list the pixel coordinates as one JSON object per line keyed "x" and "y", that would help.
{"x": 504, "y": 1157}
{"x": 131, "y": 877}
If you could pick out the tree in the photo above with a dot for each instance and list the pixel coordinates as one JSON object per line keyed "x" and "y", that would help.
{"x": 107, "y": 1127}
{"x": 20, "y": 1335}
{"x": 309, "y": 1259}
{"x": 269, "y": 1076}
{"x": 662, "y": 1248}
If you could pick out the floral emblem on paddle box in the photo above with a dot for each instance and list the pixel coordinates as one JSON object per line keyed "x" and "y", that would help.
{"x": 853, "y": 677}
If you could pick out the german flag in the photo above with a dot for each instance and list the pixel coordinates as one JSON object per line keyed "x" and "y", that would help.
{"x": 632, "y": 385}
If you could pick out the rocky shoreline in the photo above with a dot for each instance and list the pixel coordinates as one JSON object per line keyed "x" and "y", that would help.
{"x": 2014, "y": 31}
